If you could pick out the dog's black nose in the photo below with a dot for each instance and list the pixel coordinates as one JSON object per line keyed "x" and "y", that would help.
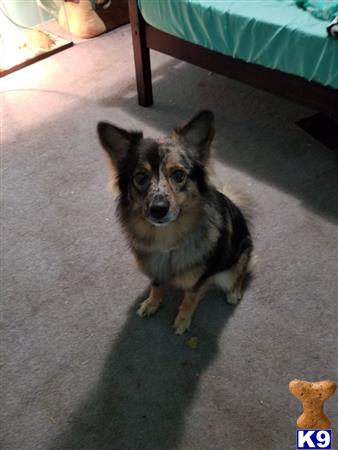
{"x": 159, "y": 208}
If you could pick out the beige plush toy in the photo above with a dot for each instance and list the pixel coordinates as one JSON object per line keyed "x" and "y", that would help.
{"x": 79, "y": 17}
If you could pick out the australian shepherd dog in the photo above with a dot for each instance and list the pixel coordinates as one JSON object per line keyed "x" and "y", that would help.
{"x": 182, "y": 230}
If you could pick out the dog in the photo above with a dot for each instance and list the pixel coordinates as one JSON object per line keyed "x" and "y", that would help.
{"x": 182, "y": 230}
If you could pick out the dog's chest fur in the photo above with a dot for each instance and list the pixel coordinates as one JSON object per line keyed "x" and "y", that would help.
{"x": 182, "y": 264}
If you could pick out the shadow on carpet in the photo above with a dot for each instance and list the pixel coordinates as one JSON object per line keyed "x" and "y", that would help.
{"x": 148, "y": 381}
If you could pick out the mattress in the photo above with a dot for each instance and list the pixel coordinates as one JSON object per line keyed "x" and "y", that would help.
{"x": 272, "y": 33}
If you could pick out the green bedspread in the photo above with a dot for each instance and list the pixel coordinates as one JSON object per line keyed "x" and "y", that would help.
{"x": 273, "y": 33}
{"x": 322, "y": 9}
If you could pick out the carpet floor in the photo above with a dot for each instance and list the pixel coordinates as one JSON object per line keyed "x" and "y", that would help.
{"x": 79, "y": 369}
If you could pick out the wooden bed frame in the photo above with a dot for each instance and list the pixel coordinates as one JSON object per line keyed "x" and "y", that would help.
{"x": 146, "y": 37}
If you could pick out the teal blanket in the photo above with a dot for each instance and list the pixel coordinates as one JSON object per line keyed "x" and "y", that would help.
{"x": 272, "y": 33}
{"x": 322, "y": 9}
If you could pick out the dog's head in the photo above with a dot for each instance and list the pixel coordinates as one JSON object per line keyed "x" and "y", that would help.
{"x": 159, "y": 179}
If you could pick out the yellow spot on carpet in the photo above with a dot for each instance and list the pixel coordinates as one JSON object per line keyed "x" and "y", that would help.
{"x": 192, "y": 342}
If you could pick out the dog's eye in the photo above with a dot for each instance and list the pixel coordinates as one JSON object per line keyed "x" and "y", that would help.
{"x": 178, "y": 176}
{"x": 141, "y": 179}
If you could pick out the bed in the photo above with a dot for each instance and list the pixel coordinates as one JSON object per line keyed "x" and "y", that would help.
{"x": 277, "y": 47}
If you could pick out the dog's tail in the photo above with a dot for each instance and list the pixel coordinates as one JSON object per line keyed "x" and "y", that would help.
{"x": 241, "y": 199}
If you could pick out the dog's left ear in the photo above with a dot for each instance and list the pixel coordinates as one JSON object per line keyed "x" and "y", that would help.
{"x": 116, "y": 141}
{"x": 199, "y": 132}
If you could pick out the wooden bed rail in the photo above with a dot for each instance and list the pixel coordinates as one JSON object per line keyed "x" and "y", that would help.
{"x": 292, "y": 87}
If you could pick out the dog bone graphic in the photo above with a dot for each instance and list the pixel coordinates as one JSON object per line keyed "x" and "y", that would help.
{"x": 313, "y": 395}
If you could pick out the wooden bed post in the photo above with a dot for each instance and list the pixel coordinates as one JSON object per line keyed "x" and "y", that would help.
{"x": 141, "y": 56}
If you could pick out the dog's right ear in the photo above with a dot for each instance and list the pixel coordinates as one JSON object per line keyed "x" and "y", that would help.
{"x": 116, "y": 141}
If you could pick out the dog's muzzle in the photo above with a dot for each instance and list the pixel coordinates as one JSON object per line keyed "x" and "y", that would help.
{"x": 159, "y": 211}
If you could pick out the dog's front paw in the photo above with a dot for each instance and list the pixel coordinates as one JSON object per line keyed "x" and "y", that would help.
{"x": 148, "y": 307}
{"x": 234, "y": 296}
{"x": 182, "y": 323}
